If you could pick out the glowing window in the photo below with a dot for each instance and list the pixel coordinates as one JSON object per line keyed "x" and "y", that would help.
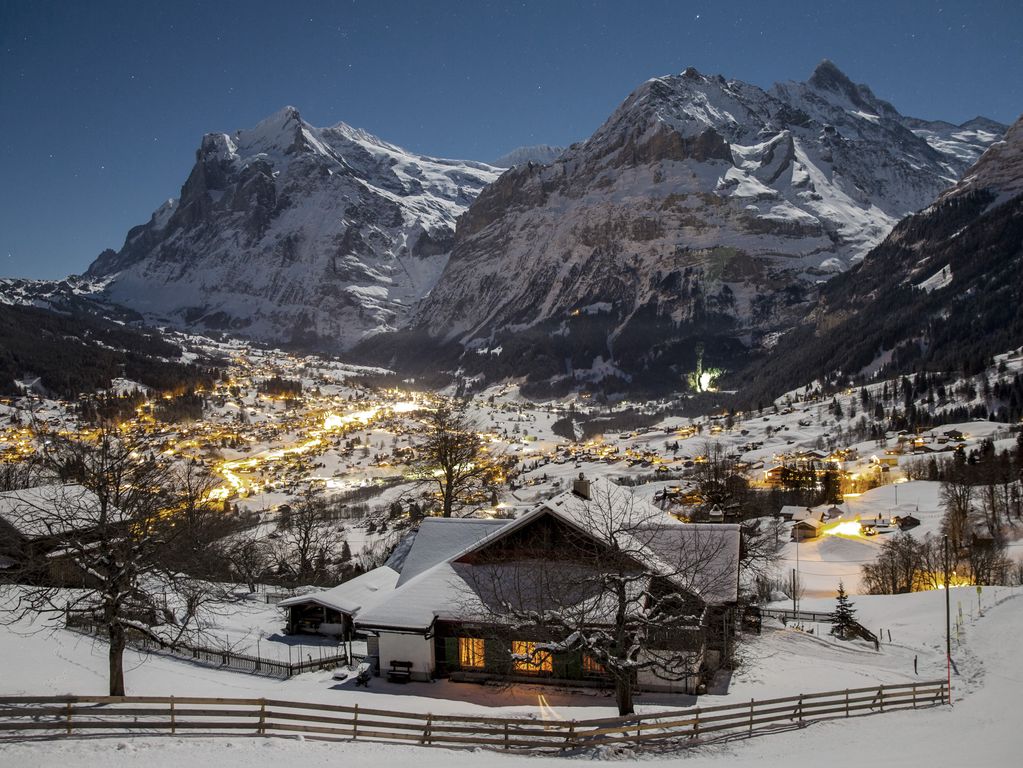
{"x": 529, "y": 659}
{"x": 470, "y": 652}
{"x": 591, "y": 666}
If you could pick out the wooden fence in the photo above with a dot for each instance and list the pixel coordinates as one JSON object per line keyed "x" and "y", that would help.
{"x": 23, "y": 716}
{"x": 220, "y": 658}
{"x": 788, "y": 614}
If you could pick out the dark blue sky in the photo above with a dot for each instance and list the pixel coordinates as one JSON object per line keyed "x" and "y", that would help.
{"x": 102, "y": 104}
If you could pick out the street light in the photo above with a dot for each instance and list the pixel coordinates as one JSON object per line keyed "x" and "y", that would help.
{"x": 948, "y": 626}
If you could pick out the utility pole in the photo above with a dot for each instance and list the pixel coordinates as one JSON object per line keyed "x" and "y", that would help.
{"x": 793, "y": 593}
{"x": 948, "y": 626}
{"x": 795, "y": 581}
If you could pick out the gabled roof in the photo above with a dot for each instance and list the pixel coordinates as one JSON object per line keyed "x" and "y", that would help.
{"x": 805, "y": 513}
{"x": 440, "y": 590}
{"x": 353, "y": 595}
{"x": 438, "y": 538}
{"x": 49, "y": 510}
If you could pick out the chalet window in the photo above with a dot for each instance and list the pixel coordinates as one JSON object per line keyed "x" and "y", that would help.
{"x": 470, "y": 652}
{"x": 529, "y": 659}
{"x": 591, "y": 666}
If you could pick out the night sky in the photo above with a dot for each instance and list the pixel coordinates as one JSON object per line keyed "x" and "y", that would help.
{"x": 102, "y": 104}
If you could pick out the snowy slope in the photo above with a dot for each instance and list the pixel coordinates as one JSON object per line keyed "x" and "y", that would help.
{"x": 701, "y": 202}
{"x": 290, "y": 233}
{"x": 978, "y": 730}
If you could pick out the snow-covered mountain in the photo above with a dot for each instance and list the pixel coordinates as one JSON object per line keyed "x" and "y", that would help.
{"x": 704, "y": 210}
{"x": 539, "y": 153}
{"x": 290, "y": 233}
{"x": 941, "y": 292}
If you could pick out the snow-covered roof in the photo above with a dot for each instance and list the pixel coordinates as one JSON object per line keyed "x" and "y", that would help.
{"x": 803, "y": 513}
{"x": 48, "y": 510}
{"x": 438, "y": 538}
{"x": 809, "y": 523}
{"x": 789, "y": 511}
{"x": 420, "y": 601}
{"x": 354, "y": 595}
{"x": 703, "y": 559}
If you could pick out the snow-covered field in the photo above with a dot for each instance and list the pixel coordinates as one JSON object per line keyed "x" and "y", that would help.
{"x": 978, "y": 730}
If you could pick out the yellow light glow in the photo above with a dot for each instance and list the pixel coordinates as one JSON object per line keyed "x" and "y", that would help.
{"x": 844, "y": 528}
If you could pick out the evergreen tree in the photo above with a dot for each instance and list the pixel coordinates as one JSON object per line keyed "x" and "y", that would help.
{"x": 843, "y": 619}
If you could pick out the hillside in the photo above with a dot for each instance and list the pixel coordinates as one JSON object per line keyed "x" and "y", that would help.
{"x": 942, "y": 292}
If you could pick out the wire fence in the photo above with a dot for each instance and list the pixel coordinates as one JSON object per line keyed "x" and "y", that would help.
{"x": 25, "y": 716}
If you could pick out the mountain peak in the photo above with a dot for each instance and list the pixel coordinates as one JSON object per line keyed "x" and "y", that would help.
{"x": 999, "y": 170}
{"x": 283, "y": 130}
{"x": 542, "y": 154}
{"x": 827, "y": 76}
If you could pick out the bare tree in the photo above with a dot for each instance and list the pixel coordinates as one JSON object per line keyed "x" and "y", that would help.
{"x": 248, "y": 556}
{"x": 623, "y": 583}
{"x": 957, "y": 496}
{"x": 15, "y": 475}
{"x": 308, "y": 546}
{"x": 109, "y": 528}
{"x": 452, "y": 457}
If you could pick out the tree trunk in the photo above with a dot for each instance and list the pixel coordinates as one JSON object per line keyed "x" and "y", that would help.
{"x": 623, "y": 694}
{"x": 116, "y": 658}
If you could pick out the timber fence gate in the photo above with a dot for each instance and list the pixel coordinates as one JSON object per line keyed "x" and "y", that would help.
{"x": 24, "y": 716}
{"x": 220, "y": 658}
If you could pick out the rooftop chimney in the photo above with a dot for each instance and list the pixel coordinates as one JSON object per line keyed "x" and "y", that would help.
{"x": 581, "y": 487}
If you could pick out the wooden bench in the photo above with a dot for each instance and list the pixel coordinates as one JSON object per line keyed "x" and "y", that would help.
{"x": 400, "y": 672}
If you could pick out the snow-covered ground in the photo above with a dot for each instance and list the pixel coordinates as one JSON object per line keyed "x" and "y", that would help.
{"x": 980, "y": 728}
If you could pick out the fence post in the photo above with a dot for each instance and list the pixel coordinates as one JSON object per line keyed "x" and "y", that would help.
{"x": 914, "y": 695}
{"x": 751, "y": 717}
{"x": 426, "y": 729}
{"x": 847, "y": 702}
{"x": 570, "y": 739}
{"x": 355, "y": 723}
{"x": 696, "y": 724}
{"x": 173, "y": 723}
{"x": 68, "y": 718}
{"x": 880, "y": 695}
{"x": 506, "y": 735}
{"x": 800, "y": 710}
{"x": 262, "y": 717}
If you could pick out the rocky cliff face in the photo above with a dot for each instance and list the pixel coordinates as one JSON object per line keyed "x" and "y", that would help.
{"x": 294, "y": 234}
{"x": 703, "y": 209}
{"x": 538, "y": 153}
{"x": 941, "y": 292}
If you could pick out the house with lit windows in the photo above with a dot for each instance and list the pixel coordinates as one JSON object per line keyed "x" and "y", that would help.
{"x": 465, "y": 587}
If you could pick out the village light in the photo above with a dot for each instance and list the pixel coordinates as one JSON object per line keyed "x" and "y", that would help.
{"x": 844, "y": 528}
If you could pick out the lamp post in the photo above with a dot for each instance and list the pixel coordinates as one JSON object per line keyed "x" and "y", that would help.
{"x": 948, "y": 625}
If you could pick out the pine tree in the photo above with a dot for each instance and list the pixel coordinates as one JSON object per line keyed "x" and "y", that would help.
{"x": 843, "y": 619}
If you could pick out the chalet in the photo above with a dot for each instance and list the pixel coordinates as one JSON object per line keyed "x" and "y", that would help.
{"x": 789, "y": 512}
{"x": 808, "y": 528}
{"x": 333, "y": 611}
{"x": 36, "y": 527}
{"x": 905, "y": 522}
{"x": 463, "y": 589}
{"x": 805, "y": 513}
{"x": 773, "y": 475}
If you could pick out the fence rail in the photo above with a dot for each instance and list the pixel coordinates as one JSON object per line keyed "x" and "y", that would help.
{"x": 789, "y": 615}
{"x": 23, "y": 716}
{"x": 223, "y": 659}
